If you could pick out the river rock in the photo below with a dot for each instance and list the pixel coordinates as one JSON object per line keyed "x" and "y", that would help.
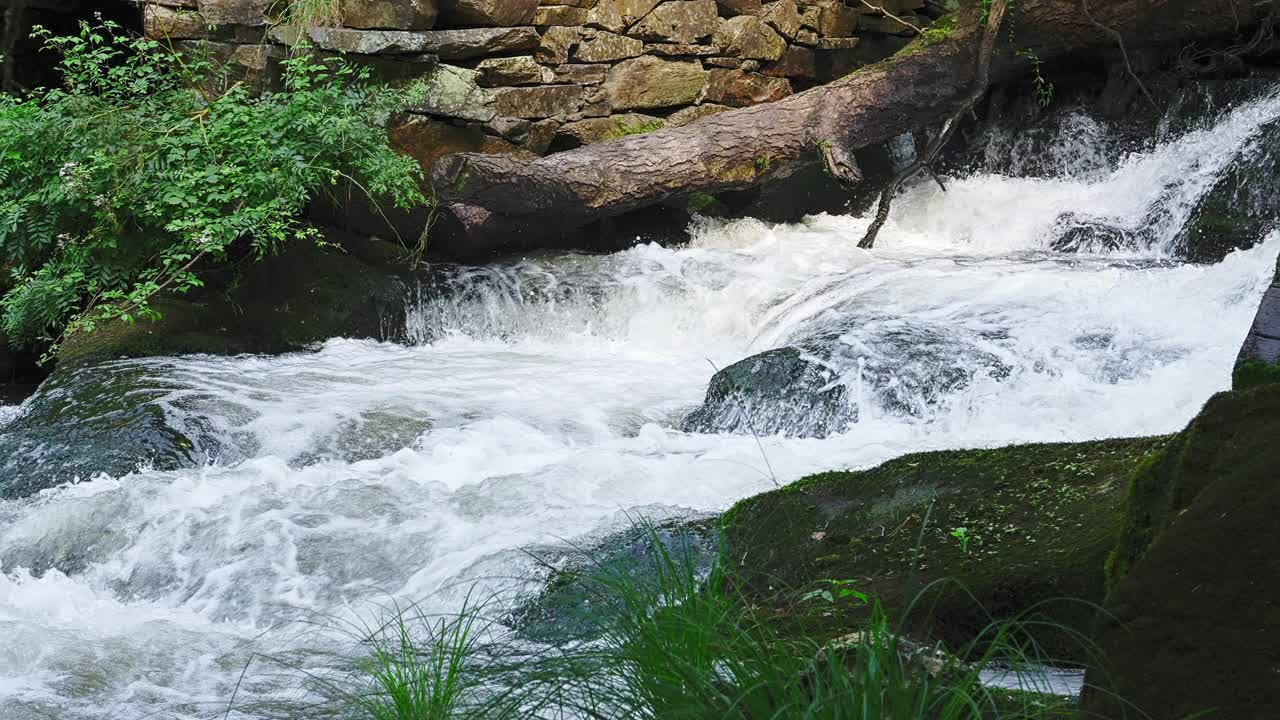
{"x": 1258, "y": 362}
{"x": 1038, "y": 523}
{"x": 488, "y": 13}
{"x": 678, "y": 21}
{"x": 511, "y": 129}
{"x": 518, "y": 70}
{"x": 739, "y": 89}
{"x": 389, "y": 14}
{"x": 90, "y": 420}
{"x": 1191, "y": 614}
{"x": 252, "y": 13}
{"x": 694, "y": 112}
{"x": 778, "y": 392}
{"x": 539, "y": 102}
{"x": 541, "y": 134}
{"x": 749, "y": 37}
{"x": 835, "y": 19}
{"x": 456, "y": 92}
{"x": 597, "y": 46}
{"x": 783, "y": 16}
{"x": 650, "y": 82}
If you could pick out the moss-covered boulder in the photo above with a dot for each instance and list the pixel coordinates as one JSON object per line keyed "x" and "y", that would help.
{"x": 1259, "y": 359}
{"x": 1194, "y": 604}
{"x": 287, "y": 302}
{"x": 1017, "y": 528}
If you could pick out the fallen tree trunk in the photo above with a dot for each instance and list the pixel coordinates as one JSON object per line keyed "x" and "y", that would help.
{"x": 495, "y": 200}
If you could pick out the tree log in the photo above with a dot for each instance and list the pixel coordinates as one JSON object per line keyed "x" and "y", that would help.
{"x": 499, "y": 200}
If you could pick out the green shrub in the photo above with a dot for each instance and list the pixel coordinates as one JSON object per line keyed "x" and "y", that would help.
{"x": 137, "y": 174}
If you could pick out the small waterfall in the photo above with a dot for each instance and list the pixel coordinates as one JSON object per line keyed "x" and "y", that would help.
{"x": 544, "y": 398}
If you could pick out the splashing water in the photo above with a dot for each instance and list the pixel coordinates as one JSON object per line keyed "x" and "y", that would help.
{"x": 542, "y": 398}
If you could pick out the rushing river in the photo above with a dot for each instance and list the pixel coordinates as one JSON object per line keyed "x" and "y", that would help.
{"x": 542, "y": 403}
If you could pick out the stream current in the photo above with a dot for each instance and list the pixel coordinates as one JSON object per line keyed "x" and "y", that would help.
{"x": 541, "y": 402}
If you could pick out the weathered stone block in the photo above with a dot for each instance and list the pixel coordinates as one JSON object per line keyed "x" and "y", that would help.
{"x": 783, "y": 16}
{"x": 848, "y": 43}
{"x": 680, "y": 50}
{"x": 740, "y": 89}
{"x": 835, "y": 19}
{"x": 796, "y": 62}
{"x": 680, "y": 21}
{"x": 519, "y": 70}
{"x": 618, "y": 15}
{"x": 427, "y": 140}
{"x": 390, "y": 14}
{"x": 695, "y": 112}
{"x": 603, "y": 46}
{"x": 603, "y": 129}
{"x": 514, "y": 130}
{"x": 454, "y": 92}
{"x": 487, "y": 13}
{"x": 581, "y": 74}
{"x": 749, "y": 37}
{"x": 543, "y": 101}
{"x": 447, "y": 44}
{"x": 561, "y": 15}
{"x": 556, "y": 44}
{"x": 729, "y": 8}
{"x": 650, "y": 82}
{"x": 235, "y": 12}
{"x": 163, "y": 22}
{"x": 807, "y": 37}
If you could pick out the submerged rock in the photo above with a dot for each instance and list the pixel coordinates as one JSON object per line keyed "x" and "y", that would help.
{"x": 781, "y": 391}
{"x": 87, "y": 421}
{"x": 1193, "y": 620}
{"x": 570, "y": 606}
{"x": 821, "y": 385}
{"x": 1016, "y": 528}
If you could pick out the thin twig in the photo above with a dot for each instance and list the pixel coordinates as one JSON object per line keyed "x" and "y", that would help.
{"x": 891, "y": 16}
{"x": 746, "y": 417}
{"x": 1124, "y": 54}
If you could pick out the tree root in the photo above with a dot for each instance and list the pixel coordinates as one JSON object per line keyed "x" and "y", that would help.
{"x": 924, "y": 161}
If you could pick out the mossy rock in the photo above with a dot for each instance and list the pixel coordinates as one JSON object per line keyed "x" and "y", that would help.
{"x": 1193, "y": 619}
{"x": 1038, "y": 523}
{"x": 283, "y": 303}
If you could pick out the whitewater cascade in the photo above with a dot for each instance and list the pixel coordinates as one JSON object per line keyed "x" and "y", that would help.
{"x": 542, "y": 401}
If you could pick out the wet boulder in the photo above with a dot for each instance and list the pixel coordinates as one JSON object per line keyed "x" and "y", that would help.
{"x": 779, "y": 392}
{"x": 91, "y": 420}
{"x": 1010, "y": 530}
{"x": 844, "y": 367}
{"x": 1259, "y": 360}
{"x": 1193, "y": 615}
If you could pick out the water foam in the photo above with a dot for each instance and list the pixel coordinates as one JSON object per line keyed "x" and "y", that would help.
{"x": 542, "y": 399}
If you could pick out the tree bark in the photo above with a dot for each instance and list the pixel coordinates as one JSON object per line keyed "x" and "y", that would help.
{"x": 496, "y": 201}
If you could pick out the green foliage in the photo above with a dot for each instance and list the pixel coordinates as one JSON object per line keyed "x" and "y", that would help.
{"x": 136, "y": 175}
{"x": 1043, "y": 88}
{"x": 622, "y": 129}
{"x": 309, "y": 13}
{"x": 677, "y": 642}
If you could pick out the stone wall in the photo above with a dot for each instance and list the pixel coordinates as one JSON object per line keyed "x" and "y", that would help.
{"x": 545, "y": 75}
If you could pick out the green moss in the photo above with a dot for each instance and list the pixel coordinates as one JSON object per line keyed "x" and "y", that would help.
{"x": 938, "y": 31}
{"x": 1254, "y": 372}
{"x": 1040, "y": 520}
{"x": 763, "y": 163}
{"x": 1192, "y": 617}
{"x": 701, "y": 203}
{"x": 621, "y": 128}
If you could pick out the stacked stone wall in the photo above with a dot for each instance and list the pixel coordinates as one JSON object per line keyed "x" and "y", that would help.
{"x": 540, "y": 76}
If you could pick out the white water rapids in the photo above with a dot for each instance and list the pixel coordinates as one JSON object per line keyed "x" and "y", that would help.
{"x": 544, "y": 401}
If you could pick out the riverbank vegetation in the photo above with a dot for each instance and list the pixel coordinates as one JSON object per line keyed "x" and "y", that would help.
{"x": 150, "y": 165}
{"x": 671, "y": 640}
